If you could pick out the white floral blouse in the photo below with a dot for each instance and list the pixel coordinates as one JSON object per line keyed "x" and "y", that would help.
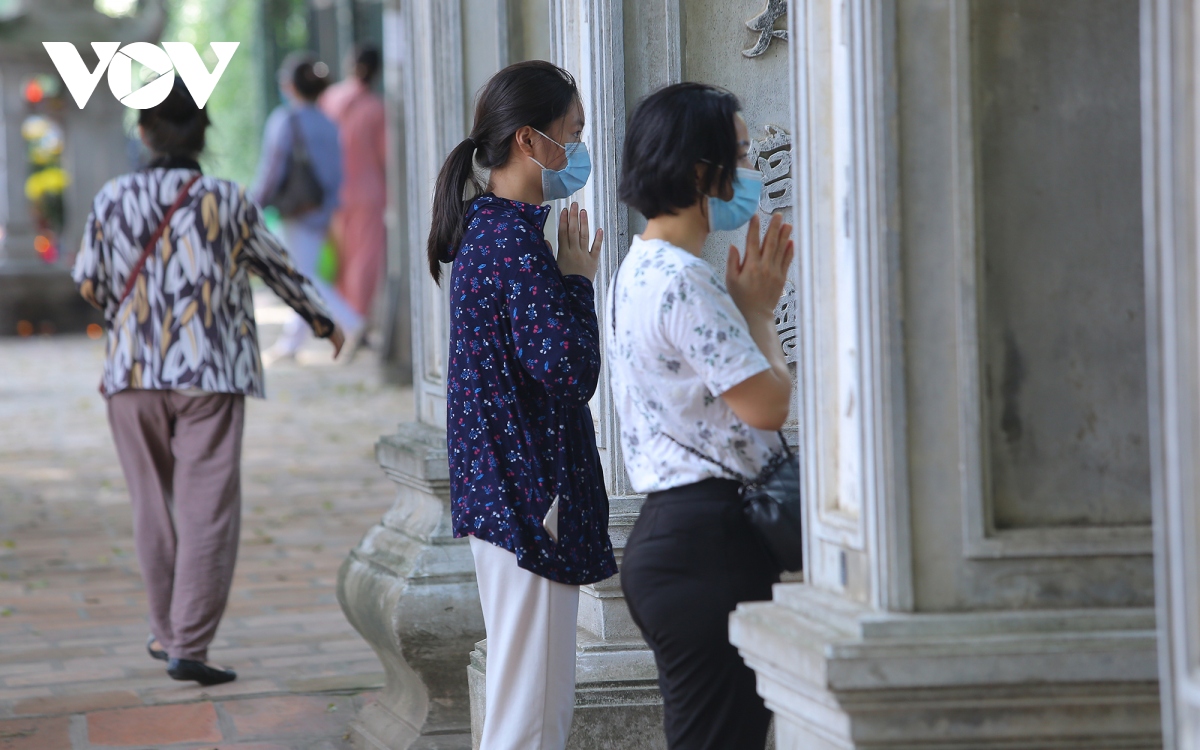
{"x": 188, "y": 323}
{"x": 675, "y": 343}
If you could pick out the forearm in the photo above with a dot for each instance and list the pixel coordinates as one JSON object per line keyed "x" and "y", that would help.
{"x": 762, "y": 330}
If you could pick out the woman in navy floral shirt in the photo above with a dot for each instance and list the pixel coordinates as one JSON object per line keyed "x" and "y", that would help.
{"x": 526, "y": 481}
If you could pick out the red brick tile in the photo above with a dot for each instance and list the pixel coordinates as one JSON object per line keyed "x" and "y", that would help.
{"x": 154, "y": 725}
{"x": 288, "y": 716}
{"x": 77, "y": 704}
{"x": 36, "y": 734}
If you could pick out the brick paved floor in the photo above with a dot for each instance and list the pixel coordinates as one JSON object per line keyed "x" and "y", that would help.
{"x": 73, "y": 670}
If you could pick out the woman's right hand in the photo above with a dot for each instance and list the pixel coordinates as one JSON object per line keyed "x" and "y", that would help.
{"x": 574, "y": 256}
{"x": 756, "y": 281}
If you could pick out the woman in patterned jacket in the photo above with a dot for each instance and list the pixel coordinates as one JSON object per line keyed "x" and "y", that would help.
{"x": 526, "y": 481}
{"x": 182, "y": 355}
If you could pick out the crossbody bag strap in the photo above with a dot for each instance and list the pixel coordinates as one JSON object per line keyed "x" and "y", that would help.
{"x": 153, "y": 241}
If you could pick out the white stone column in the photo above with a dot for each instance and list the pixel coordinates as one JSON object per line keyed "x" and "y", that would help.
{"x": 954, "y": 600}
{"x": 1172, "y": 180}
{"x": 409, "y": 587}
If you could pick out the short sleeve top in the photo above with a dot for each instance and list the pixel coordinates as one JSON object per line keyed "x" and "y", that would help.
{"x": 675, "y": 343}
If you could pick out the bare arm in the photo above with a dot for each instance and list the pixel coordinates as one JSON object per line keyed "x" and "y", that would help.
{"x": 756, "y": 283}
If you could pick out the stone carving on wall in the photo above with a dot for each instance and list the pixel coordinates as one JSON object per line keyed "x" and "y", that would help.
{"x": 764, "y": 24}
{"x": 785, "y": 322}
{"x": 772, "y": 156}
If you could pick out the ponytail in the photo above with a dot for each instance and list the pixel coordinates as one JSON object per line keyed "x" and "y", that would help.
{"x": 534, "y": 93}
{"x": 446, "y": 233}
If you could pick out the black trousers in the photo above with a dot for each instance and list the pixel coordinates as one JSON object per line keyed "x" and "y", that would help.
{"x": 690, "y": 559}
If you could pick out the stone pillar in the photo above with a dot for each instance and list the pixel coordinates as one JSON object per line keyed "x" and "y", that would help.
{"x": 972, "y": 347}
{"x": 409, "y": 587}
{"x": 1172, "y": 182}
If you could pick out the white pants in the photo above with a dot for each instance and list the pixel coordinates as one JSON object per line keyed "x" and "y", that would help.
{"x": 304, "y": 245}
{"x": 530, "y": 624}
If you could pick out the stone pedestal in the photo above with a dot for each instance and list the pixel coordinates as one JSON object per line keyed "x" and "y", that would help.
{"x": 841, "y": 676}
{"x": 409, "y": 589}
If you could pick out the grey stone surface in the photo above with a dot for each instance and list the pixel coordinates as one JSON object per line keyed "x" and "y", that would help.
{"x": 409, "y": 589}
{"x": 1062, "y": 301}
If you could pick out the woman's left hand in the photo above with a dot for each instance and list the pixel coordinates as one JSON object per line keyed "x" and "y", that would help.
{"x": 574, "y": 256}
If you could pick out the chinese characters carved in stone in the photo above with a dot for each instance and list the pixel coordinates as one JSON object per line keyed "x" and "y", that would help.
{"x": 764, "y": 24}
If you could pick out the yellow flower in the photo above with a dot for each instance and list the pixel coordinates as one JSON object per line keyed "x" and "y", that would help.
{"x": 53, "y": 180}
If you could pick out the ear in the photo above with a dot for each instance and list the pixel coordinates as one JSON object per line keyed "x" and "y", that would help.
{"x": 523, "y": 140}
{"x": 702, "y": 171}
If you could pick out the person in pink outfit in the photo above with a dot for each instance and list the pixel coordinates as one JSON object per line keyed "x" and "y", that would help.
{"x": 358, "y": 226}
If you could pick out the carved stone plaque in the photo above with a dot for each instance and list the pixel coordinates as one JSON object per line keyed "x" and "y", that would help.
{"x": 785, "y": 322}
{"x": 764, "y": 25}
{"x": 772, "y": 156}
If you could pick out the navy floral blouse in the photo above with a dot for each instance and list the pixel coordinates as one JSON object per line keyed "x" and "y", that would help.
{"x": 524, "y": 362}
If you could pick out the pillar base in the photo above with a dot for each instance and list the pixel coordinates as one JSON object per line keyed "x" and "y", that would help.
{"x": 839, "y": 676}
{"x": 409, "y": 589}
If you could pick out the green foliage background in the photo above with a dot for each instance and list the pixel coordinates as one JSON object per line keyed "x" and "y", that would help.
{"x": 266, "y": 29}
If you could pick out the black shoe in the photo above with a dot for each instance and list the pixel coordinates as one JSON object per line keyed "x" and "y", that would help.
{"x": 156, "y": 653}
{"x": 198, "y": 671}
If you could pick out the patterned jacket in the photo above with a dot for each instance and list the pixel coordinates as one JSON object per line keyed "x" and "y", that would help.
{"x": 524, "y": 361}
{"x": 188, "y": 323}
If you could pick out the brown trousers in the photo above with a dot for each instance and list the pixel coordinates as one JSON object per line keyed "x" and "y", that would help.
{"x": 182, "y": 460}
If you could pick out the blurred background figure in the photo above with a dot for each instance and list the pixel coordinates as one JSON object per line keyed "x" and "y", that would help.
{"x": 300, "y": 174}
{"x": 358, "y": 223}
{"x": 166, "y": 256}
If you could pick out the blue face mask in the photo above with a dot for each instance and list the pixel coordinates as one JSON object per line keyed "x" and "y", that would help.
{"x": 560, "y": 183}
{"x": 734, "y": 213}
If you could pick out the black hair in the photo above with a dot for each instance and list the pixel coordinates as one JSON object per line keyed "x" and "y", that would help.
{"x": 670, "y": 132}
{"x": 175, "y": 126}
{"x": 534, "y": 93}
{"x": 366, "y": 64}
{"x": 308, "y": 75}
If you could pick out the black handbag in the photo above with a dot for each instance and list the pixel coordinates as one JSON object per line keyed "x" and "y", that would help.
{"x": 299, "y": 191}
{"x": 770, "y": 502}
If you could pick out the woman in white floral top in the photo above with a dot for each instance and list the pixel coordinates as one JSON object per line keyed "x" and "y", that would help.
{"x": 701, "y": 388}
{"x": 167, "y": 255}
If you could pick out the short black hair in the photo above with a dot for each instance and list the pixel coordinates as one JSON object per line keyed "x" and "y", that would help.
{"x": 175, "y": 126}
{"x": 308, "y": 75}
{"x": 670, "y": 132}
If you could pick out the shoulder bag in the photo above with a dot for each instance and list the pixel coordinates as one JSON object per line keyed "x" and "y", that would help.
{"x": 299, "y": 191}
